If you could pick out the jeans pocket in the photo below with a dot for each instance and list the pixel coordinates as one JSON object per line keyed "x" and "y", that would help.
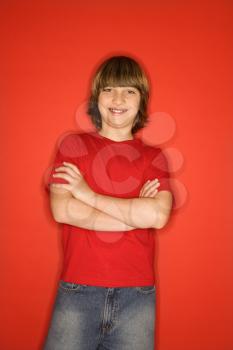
{"x": 146, "y": 289}
{"x": 69, "y": 286}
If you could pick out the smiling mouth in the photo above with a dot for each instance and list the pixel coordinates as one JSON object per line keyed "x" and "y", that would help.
{"x": 117, "y": 111}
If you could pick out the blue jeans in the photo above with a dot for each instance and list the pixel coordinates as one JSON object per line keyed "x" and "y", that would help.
{"x": 102, "y": 318}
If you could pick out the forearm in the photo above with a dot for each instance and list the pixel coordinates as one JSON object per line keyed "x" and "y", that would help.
{"x": 137, "y": 212}
{"x": 74, "y": 212}
{"x": 142, "y": 212}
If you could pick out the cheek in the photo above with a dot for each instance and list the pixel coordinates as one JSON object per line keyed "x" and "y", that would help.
{"x": 100, "y": 103}
{"x": 101, "y": 107}
{"x": 137, "y": 104}
{"x": 102, "y": 100}
{"x": 137, "y": 100}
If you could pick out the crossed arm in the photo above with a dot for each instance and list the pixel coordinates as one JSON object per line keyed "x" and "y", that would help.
{"x": 75, "y": 203}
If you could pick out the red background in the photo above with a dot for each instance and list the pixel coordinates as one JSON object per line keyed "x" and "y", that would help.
{"x": 49, "y": 51}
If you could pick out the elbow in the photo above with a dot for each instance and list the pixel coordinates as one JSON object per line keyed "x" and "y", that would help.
{"x": 59, "y": 212}
{"x": 58, "y": 217}
{"x": 161, "y": 221}
{"x": 162, "y": 210}
{"x": 59, "y": 208}
{"x": 161, "y": 224}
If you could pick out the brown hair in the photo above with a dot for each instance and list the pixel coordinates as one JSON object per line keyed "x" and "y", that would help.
{"x": 120, "y": 71}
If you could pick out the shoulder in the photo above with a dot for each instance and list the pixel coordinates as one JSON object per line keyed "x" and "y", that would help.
{"x": 73, "y": 144}
{"x": 73, "y": 136}
{"x": 151, "y": 151}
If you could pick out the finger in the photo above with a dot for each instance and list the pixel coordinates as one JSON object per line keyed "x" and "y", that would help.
{"x": 152, "y": 184}
{"x": 151, "y": 194}
{"x": 146, "y": 183}
{"x": 141, "y": 190}
{"x": 72, "y": 166}
{"x": 150, "y": 190}
{"x": 64, "y": 176}
{"x": 64, "y": 186}
{"x": 148, "y": 186}
{"x": 154, "y": 194}
{"x": 68, "y": 170}
{"x": 150, "y": 181}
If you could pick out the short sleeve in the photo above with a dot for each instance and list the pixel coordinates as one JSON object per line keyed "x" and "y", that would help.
{"x": 70, "y": 149}
{"x": 156, "y": 167}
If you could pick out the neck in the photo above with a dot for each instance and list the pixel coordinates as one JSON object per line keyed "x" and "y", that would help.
{"x": 116, "y": 136}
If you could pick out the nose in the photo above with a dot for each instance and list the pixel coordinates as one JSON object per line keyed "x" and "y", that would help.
{"x": 118, "y": 97}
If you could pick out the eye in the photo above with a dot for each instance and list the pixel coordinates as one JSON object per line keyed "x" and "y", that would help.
{"x": 107, "y": 89}
{"x": 131, "y": 92}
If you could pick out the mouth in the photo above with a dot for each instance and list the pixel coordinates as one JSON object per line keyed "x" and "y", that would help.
{"x": 117, "y": 111}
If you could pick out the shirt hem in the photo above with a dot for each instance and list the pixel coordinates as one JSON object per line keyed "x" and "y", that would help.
{"x": 104, "y": 283}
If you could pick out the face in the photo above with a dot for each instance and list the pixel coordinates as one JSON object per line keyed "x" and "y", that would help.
{"x": 118, "y": 106}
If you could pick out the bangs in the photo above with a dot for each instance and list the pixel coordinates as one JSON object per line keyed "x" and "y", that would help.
{"x": 121, "y": 72}
{"x": 118, "y": 80}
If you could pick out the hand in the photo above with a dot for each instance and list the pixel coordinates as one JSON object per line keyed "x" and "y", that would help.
{"x": 149, "y": 189}
{"x": 76, "y": 182}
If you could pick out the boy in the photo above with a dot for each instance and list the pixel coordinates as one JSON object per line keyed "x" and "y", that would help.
{"x": 104, "y": 189}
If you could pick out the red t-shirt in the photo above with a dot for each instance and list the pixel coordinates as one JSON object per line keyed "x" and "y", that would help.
{"x": 117, "y": 169}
